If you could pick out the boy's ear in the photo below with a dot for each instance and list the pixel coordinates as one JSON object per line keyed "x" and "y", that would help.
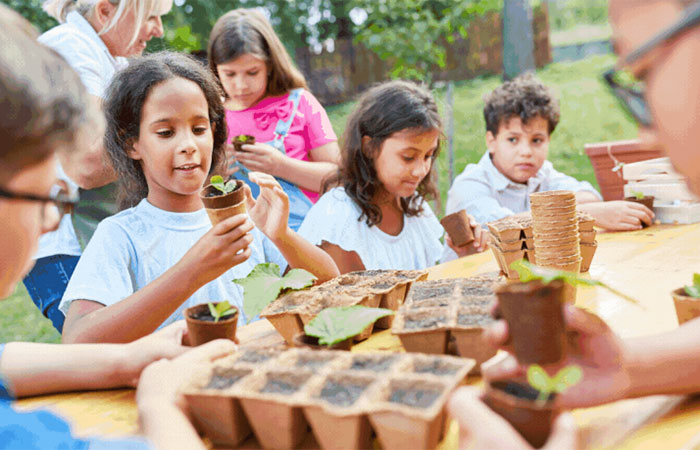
{"x": 490, "y": 141}
{"x": 132, "y": 150}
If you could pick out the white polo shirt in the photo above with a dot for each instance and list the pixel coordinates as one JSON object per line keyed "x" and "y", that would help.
{"x": 79, "y": 44}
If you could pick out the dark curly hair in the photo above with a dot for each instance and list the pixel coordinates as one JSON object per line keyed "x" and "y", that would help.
{"x": 525, "y": 97}
{"x": 123, "y": 106}
{"x": 382, "y": 111}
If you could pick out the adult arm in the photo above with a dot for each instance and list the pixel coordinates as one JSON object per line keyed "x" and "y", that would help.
{"x": 33, "y": 368}
{"x": 143, "y": 311}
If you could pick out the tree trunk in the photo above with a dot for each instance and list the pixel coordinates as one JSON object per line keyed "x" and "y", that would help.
{"x": 518, "y": 45}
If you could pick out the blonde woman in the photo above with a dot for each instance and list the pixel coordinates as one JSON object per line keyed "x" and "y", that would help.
{"x": 95, "y": 37}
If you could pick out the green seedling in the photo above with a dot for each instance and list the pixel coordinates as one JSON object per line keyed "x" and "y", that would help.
{"x": 638, "y": 195}
{"x": 243, "y": 138}
{"x": 531, "y": 272}
{"x": 546, "y": 385}
{"x": 694, "y": 289}
{"x": 221, "y": 309}
{"x": 333, "y": 325}
{"x": 226, "y": 187}
{"x": 264, "y": 284}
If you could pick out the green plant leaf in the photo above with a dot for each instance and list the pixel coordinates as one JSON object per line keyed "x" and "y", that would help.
{"x": 214, "y": 313}
{"x": 693, "y": 291}
{"x": 333, "y": 325}
{"x": 218, "y": 182}
{"x": 566, "y": 377}
{"x": 539, "y": 379}
{"x": 229, "y": 186}
{"x": 263, "y": 284}
{"x": 529, "y": 272}
{"x": 638, "y": 195}
{"x": 696, "y": 279}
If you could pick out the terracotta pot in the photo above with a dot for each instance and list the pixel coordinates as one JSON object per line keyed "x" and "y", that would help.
{"x": 611, "y": 183}
{"x": 238, "y": 143}
{"x": 458, "y": 228}
{"x": 304, "y": 340}
{"x": 687, "y": 307}
{"x": 647, "y": 201}
{"x": 532, "y": 421}
{"x": 202, "y": 331}
{"x": 221, "y": 207}
{"x": 288, "y": 324}
{"x": 535, "y": 320}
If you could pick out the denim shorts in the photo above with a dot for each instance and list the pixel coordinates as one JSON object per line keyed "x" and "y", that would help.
{"x": 46, "y": 283}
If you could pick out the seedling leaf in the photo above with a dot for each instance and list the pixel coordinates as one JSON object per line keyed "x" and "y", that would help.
{"x": 696, "y": 279}
{"x": 221, "y": 309}
{"x": 217, "y": 181}
{"x": 263, "y": 284}
{"x": 333, "y": 325}
{"x": 530, "y": 272}
{"x": 561, "y": 381}
{"x": 566, "y": 377}
{"x": 638, "y": 195}
{"x": 693, "y": 291}
{"x": 538, "y": 378}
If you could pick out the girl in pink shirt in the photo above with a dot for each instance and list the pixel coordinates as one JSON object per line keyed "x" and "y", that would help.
{"x": 266, "y": 97}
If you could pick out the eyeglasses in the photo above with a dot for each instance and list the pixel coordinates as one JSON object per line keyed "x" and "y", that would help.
{"x": 629, "y": 91}
{"x": 56, "y": 205}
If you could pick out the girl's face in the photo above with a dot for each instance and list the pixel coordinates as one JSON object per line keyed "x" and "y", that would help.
{"x": 244, "y": 79}
{"x": 118, "y": 38}
{"x": 22, "y": 222}
{"x": 175, "y": 144}
{"x": 405, "y": 158}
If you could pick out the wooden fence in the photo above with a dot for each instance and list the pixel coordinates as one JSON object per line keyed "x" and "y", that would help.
{"x": 335, "y": 77}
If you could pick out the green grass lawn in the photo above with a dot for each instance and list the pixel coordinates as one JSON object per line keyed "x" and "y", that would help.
{"x": 589, "y": 114}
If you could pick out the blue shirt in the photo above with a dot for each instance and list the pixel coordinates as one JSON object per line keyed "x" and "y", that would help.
{"x": 42, "y": 430}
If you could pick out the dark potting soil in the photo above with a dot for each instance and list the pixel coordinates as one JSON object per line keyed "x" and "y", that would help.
{"x": 276, "y": 386}
{"x": 427, "y": 292}
{"x": 369, "y": 273}
{"x": 342, "y": 394}
{"x": 205, "y": 316}
{"x": 520, "y": 390}
{"x": 311, "y": 362}
{"x": 253, "y": 356}
{"x": 416, "y": 398}
{"x": 424, "y": 323}
{"x": 473, "y": 291}
{"x": 382, "y": 285}
{"x": 485, "y": 302}
{"x": 436, "y": 367}
{"x": 216, "y": 193}
{"x": 474, "y": 319}
{"x": 373, "y": 364}
{"x": 223, "y": 379}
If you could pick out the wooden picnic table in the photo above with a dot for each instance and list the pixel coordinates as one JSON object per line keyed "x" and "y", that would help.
{"x": 646, "y": 264}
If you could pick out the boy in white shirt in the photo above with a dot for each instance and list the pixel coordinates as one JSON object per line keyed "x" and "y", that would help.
{"x": 520, "y": 117}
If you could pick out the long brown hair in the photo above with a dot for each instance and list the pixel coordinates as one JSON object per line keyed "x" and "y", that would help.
{"x": 247, "y": 31}
{"x": 382, "y": 111}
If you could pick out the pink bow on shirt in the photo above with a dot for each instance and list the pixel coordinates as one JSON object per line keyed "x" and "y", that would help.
{"x": 263, "y": 119}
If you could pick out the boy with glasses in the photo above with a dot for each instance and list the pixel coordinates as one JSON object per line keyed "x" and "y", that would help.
{"x": 658, "y": 42}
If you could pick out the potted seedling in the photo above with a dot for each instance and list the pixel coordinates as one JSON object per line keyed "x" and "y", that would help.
{"x": 223, "y": 199}
{"x": 639, "y": 197}
{"x": 687, "y": 300}
{"x": 335, "y": 327}
{"x": 210, "y": 321}
{"x": 533, "y": 309}
{"x": 241, "y": 140}
{"x": 530, "y": 409}
{"x": 458, "y": 228}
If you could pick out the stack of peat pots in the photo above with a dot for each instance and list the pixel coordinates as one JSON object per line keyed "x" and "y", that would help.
{"x": 345, "y": 398}
{"x": 555, "y": 230}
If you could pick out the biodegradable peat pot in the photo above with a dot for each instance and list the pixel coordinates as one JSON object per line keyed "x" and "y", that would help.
{"x": 423, "y": 330}
{"x": 218, "y": 415}
{"x": 241, "y": 140}
{"x": 391, "y": 300}
{"x": 687, "y": 307}
{"x": 535, "y": 317}
{"x": 515, "y": 403}
{"x": 201, "y": 327}
{"x": 304, "y": 340}
{"x": 471, "y": 344}
{"x": 458, "y": 228}
{"x": 220, "y": 206}
{"x": 288, "y": 324}
{"x": 647, "y": 200}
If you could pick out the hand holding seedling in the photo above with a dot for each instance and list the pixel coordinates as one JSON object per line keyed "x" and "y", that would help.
{"x": 480, "y": 243}
{"x": 261, "y": 157}
{"x": 270, "y": 211}
{"x": 638, "y": 195}
{"x": 546, "y": 385}
{"x": 592, "y": 346}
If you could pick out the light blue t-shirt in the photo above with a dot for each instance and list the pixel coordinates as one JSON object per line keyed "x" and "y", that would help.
{"x": 137, "y": 245}
{"x": 334, "y": 219}
{"x": 488, "y": 195}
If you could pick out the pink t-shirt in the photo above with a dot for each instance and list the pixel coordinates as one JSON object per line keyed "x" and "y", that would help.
{"x": 310, "y": 128}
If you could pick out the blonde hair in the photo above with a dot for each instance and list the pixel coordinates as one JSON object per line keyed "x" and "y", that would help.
{"x": 247, "y": 31}
{"x": 59, "y": 9}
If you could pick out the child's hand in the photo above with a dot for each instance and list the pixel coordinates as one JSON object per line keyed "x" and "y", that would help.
{"x": 481, "y": 240}
{"x": 230, "y": 166}
{"x": 619, "y": 215}
{"x": 270, "y": 211}
{"x": 222, "y": 247}
{"x": 261, "y": 157}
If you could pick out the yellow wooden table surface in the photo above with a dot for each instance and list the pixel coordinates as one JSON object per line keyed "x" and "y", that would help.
{"x": 646, "y": 264}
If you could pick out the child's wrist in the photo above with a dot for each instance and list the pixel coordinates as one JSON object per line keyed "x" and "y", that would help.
{"x": 283, "y": 238}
